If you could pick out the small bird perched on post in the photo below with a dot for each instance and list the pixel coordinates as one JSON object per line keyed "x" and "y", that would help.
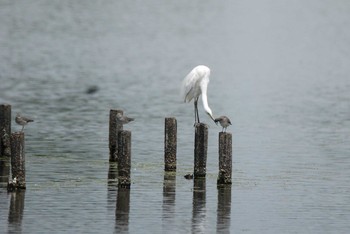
{"x": 124, "y": 119}
{"x": 23, "y": 121}
{"x": 224, "y": 122}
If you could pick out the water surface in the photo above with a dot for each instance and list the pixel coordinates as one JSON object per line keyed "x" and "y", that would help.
{"x": 279, "y": 70}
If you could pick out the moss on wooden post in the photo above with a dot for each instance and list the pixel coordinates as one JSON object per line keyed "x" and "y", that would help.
{"x": 124, "y": 159}
{"x": 170, "y": 144}
{"x": 114, "y": 128}
{"x": 5, "y": 130}
{"x": 17, "y": 162}
{"x": 200, "y": 150}
{"x": 225, "y": 158}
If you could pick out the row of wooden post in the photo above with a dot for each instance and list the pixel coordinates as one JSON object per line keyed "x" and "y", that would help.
{"x": 200, "y": 151}
{"x": 120, "y": 150}
{"x": 12, "y": 147}
{"x": 11, "y": 152}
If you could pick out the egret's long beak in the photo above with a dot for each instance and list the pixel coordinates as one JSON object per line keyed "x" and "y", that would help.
{"x": 211, "y": 117}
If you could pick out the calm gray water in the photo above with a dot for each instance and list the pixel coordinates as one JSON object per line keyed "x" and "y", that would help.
{"x": 280, "y": 71}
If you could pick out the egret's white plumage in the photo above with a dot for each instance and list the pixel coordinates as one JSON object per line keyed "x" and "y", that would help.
{"x": 194, "y": 85}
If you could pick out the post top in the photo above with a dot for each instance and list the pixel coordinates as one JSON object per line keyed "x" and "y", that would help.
{"x": 19, "y": 133}
{"x": 225, "y": 133}
{"x": 5, "y": 104}
{"x": 201, "y": 125}
{"x": 170, "y": 117}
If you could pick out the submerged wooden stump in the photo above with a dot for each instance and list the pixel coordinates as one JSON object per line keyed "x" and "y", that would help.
{"x": 225, "y": 158}
{"x": 17, "y": 162}
{"x": 200, "y": 150}
{"x": 170, "y": 144}
{"x": 124, "y": 159}
{"x": 5, "y": 130}
{"x": 114, "y": 128}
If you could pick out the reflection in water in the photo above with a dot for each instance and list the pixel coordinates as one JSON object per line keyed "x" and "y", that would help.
{"x": 224, "y": 209}
{"x": 112, "y": 174}
{"x": 16, "y": 211}
{"x": 122, "y": 210}
{"x": 198, "y": 210}
{"x": 4, "y": 169}
{"x": 169, "y": 189}
{"x": 112, "y": 187}
{"x": 292, "y": 115}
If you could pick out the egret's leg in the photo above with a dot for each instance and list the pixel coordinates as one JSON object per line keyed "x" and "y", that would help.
{"x": 195, "y": 112}
{"x": 198, "y": 116}
{"x": 22, "y": 128}
{"x": 196, "y": 104}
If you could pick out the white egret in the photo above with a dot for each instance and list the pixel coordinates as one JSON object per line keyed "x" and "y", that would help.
{"x": 194, "y": 85}
{"x": 21, "y": 120}
{"x": 224, "y": 122}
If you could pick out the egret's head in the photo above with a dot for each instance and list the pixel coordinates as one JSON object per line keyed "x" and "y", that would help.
{"x": 216, "y": 121}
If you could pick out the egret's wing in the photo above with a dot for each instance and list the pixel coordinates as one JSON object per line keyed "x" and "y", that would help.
{"x": 188, "y": 86}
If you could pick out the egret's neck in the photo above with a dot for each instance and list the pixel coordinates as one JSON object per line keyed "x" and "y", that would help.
{"x": 205, "y": 102}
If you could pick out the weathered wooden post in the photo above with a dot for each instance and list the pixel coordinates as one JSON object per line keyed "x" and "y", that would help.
{"x": 170, "y": 144}
{"x": 5, "y": 130}
{"x": 225, "y": 158}
{"x": 17, "y": 162}
{"x": 124, "y": 158}
{"x": 114, "y": 128}
{"x": 5, "y": 142}
{"x": 200, "y": 150}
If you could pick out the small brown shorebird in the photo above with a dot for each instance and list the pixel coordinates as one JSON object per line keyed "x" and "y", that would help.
{"x": 123, "y": 119}
{"x": 224, "y": 122}
{"x": 23, "y": 121}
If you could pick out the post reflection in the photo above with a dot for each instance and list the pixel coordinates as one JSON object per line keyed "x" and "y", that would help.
{"x": 224, "y": 209}
{"x": 16, "y": 211}
{"x": 199, "y": 204}
{"x": 112, "y": 188}
{"x": 4, "y": 170}
{"x": 112, "y": 174}
{"x": 169, "y": 190}
{"x": 122, "y": 210}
